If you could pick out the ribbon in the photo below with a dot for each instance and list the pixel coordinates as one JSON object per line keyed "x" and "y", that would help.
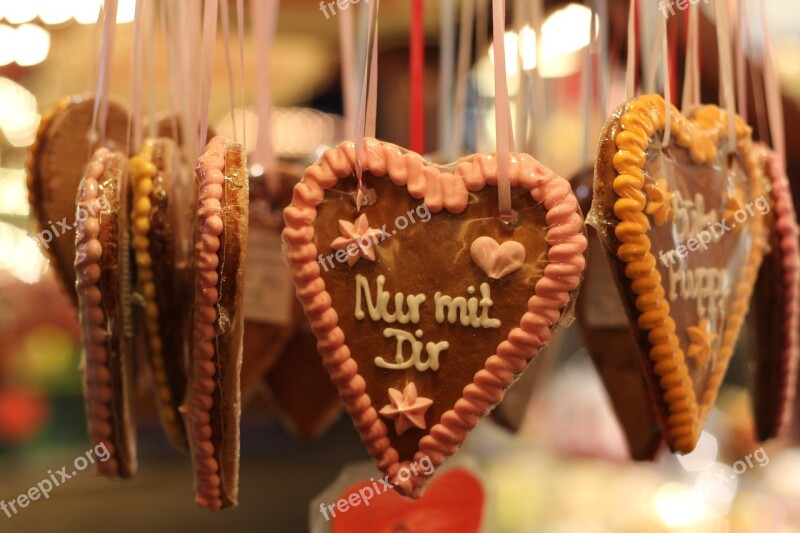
{"x": 773, "y": 94}
{"x": 726, "y": 96}
{"x": 149, "y": 62}
{"x": 365, "y": 126}
{"x": 265, "y": 18}
{"x": 466, "y": 24}
{"x": 667, "y": 81}
{"x": 447, "y": 52}
{"x": 691, "y": 75}
{"x": 240, "y": 28}
{"x": 630, "y": 72}
{"x": 100, "y": 109}
{"x": 209, "y": 42}
{"x": 347, "y": 51}
{"x": 738, "y": 52}
{"x": 416, "y": 140}
{"x": 135, "y": 113}
{"x": 502, "y": 110}
{"x": 226, "y": 36}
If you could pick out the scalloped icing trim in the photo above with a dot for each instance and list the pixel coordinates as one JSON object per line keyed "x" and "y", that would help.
{"x": 98, "y": 382}
{"x": 643, "y": 116}
{"x": 787, "y": 229}
{"x": 210, "y": 173}
{"x": 440, "y": 190}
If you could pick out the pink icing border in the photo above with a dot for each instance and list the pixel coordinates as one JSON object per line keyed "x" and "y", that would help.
{"x": 98, "y": 383}
{"x": 787, "y": 228}
{"x": 210, "y": 174}
{"x": 440, "y": 190}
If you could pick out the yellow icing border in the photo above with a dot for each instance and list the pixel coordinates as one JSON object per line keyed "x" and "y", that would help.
{"x": 142, "y": 172}
{"x": 642, "y": 118}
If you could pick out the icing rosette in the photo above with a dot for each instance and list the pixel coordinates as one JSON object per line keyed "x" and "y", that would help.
{"x": 419, "y": 355}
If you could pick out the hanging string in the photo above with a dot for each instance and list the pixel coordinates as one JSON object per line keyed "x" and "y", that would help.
{"x": 726, "y": 96}
{"x": 691, "y": 76}
{"x": 466, "y": 24}
{"x": 738, "y": 51}
{"x": 536, "y": 144}
{"x": 773, "y": 94}
{"x": 365, "y": 125}
{"x": 481, "y": 47}
{"x": 502, "y": 107}
{"x": 100, "y": 110}
{"x": 226, "y": 37}
{"x": 347, "y": 51}
{"x": 605, "y": 70}
{"x": 134, "y": 134}
{"x": 416, "y": 139}
{"x": 207, "y": 63}
{"x": 630, "y": 73}
{"x": 447, "y": 53}
{"x": 586, "y": 85}
{"x": 667, "y": 83}
{"x": 149, "y": 61}
{"x": 240, "y": 32}
{"x": 265, "y": 19}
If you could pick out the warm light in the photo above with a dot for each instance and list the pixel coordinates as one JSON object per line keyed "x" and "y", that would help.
{"x": 13, "y": 192}
{"x": 510, "y": 42}
{"x": 527, "y": 48}
{"x": 677, "y": 505}
{"x": 125, "y": 11}
{"x": 566, "y": 30}
{"x": 32, "y": 44}
{"x": 20, "y": 11}
{"x": 20, "y": 255}
{"x": 18, "y": 117}
{"x": 86, "y": 11}
{"x": 55, "y": 11}
{"x": 703, "y": 455}
{"x": 7, "y": 48}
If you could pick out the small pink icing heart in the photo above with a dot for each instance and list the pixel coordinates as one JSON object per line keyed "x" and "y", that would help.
{"x": 497, "y": 260}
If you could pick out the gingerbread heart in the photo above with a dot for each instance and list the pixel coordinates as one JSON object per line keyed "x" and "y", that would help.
{"x": 420, "y": 342}
{"x": 58, "y": 158}
{"x": 775, "y": 309}
{"x": 603, "y": 325}
{"x": 682, "y": 224}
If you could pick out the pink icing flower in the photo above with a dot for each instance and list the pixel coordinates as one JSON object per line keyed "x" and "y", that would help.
{"x": 360, "y": 236}
{"x": 406, "y": 408}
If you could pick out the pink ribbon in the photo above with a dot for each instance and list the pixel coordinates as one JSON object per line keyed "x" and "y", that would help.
{"x": 135, "y": 131}
{"x": 100, "y": 110}
{"x": 265, "y": 16}
{"x": 365, "y": 126}
{"x": 209, "y": 42}
{"x": 347, "y": 51}
{"x": 502, "y": 110}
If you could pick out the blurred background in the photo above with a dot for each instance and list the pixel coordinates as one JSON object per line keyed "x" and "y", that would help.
{"x": 554, "y": 460}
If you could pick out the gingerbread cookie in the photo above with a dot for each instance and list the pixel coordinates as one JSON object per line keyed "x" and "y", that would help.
{"x": 604, "y": 327}
{"x": 214, "y": 399}
{"x": 58, "y": 158}
{"x": 425, "y": 303}
{"x": 683, "y": 227}
{"x": 775, "y": 309}
{"x": 102, "y": 264}
{"x": 164, "y": 287}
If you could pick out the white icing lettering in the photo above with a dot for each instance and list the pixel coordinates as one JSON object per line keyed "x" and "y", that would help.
{"x": 432, "y": 350}
{"x": 379, "y": 309}
{"x": 466, "y": 311}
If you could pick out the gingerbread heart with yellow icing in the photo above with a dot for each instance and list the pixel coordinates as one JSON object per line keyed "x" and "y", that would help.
{"x": 682, "y": 223}
{"x": 426, "y": 304}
